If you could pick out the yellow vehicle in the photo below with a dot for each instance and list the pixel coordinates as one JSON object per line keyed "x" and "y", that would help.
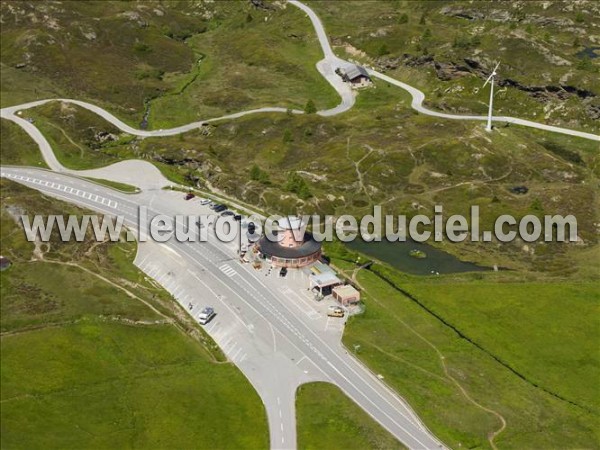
{"x": 335, "y": 311}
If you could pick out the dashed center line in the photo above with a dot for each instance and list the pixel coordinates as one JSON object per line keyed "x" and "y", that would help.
{"x": 60, "y": 187}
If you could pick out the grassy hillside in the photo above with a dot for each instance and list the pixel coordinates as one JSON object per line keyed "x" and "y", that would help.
{"x": 184, "y": 61}
{"x": 548, "y": 53}
{"x": 194, "y": 60}
{"x": 379, "y": 153}
{"x": 95, "y": 356}
{"x": 17, "y": 148}
{"x": 343, "y": 425}
{"x": 253, "y": 58}
{"x": 486, "y": 356}
{"x": 231, "y": 55}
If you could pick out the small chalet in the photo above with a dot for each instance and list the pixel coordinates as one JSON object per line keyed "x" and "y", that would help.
{"x": 357, "y": 76}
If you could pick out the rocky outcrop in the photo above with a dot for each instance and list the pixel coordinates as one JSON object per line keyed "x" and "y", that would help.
{"x": 561, "y": 92}
{"x": 176, "y": 161}
{"x": 496, "y": 15}
{"x": 593, "y": 111}
{"x": 504, "y": 16}
{"x": 450, "y": 70}
{"x": 104, "y": 136}
{"x": 261, "y": 4}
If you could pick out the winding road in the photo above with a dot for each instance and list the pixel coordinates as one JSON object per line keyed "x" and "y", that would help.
{"x": 326, "y": 68}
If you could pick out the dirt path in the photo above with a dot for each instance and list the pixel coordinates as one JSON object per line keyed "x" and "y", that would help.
{"x": 442, "y": 359}
{"x": 194, "y": 334}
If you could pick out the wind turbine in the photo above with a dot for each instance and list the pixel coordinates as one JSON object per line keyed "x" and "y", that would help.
{"x": 490, "y": 80}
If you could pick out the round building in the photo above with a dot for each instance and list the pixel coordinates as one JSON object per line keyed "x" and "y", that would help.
{"x": 288, "y": 250}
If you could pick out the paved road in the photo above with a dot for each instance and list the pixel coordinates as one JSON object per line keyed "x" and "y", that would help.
{"x": 328, "y": 64}
{"x": 134, "y": 172}
{"x": 417, "y": 104}
{"x": 268, "y": 328}
{"x": 417, "y": 95}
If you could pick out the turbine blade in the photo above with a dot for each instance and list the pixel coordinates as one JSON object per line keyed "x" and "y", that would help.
{"x": 488, "y": 80}
{"x": 491, "y": 75}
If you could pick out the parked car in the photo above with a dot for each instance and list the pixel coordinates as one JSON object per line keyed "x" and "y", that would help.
{"x": 335, "y": 311}
{"x": 205, "y": 201}
{"x": 189, "y": 196}
{"x": 220, "y": 208}
{"x": 251, "y": 228}
{"x": 206, "y": 315}
{"x": 283, "y": 272}
{"x": 227, "y": 213}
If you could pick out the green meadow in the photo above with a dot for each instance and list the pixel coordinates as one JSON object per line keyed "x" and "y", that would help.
{"x": 328, "y": 419}
{"x": 96, "y": 356}
{"x": 485, "y": 355}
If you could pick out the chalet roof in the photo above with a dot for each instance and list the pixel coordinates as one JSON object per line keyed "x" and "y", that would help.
{"x": 352, "y": 71}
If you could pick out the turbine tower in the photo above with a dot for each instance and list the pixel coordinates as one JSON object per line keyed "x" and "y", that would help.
{"x": 490, "y": 80}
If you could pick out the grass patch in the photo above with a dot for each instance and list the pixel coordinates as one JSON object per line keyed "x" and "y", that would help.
{"x": 18, "y": 86}
{"x": 17, "y": 148}
{"x": 79, "y": 138}
{"x": 90, "y": 362}
{"x": 186, "y": 62}
{"x": 465, "y": 353}
{"x": 328, "y": 419}
{"x": 560, "y": 362}
{"x": 107, "y": 385}
{"x": 127, "y": 188}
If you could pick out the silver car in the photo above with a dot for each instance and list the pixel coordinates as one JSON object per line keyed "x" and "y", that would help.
{"x": 206, "y": 315}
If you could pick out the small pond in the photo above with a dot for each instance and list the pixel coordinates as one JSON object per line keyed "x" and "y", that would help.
{"x": 398, "y": 255}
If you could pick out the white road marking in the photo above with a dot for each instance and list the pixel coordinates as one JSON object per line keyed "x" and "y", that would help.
{"x": 227, "y": 270}
{"x": 222, "y": 299}
{"x": 236, "y": 354}
{"x": 230, "y": 349}
{"x": 311, "y": 312}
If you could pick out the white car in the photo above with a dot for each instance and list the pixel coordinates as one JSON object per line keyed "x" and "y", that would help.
{"x": 204, "y": 201}
{"x": 206, "y": 315}
{"x": 335, "y": 311}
